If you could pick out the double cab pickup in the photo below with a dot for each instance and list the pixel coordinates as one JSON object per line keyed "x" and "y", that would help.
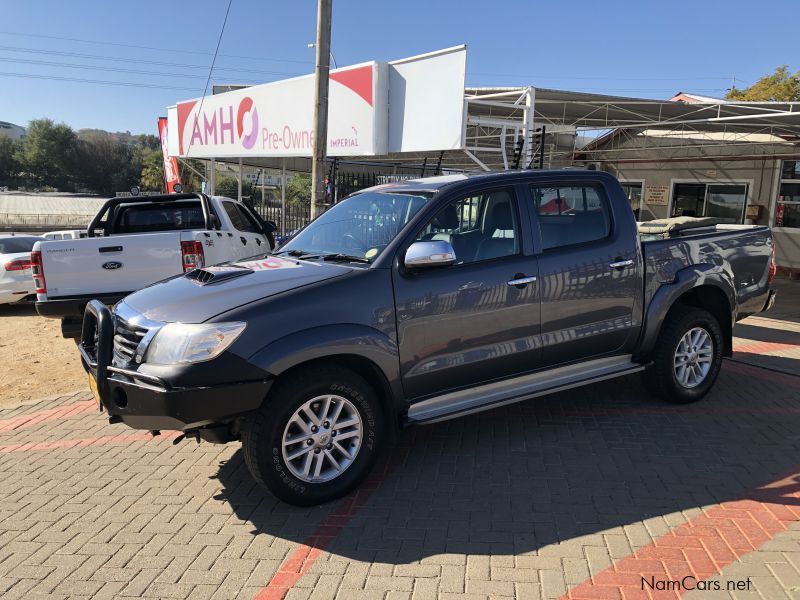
{"x": 421, "y": 301}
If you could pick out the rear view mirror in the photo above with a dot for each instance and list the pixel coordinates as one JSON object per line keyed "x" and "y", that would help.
{"x": 436, "y": 253}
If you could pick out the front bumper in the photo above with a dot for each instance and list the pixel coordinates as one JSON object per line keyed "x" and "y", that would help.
{"x": 144, "y": 401}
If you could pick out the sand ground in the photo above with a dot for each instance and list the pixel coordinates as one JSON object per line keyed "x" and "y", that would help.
{"x": 35, "y": 361}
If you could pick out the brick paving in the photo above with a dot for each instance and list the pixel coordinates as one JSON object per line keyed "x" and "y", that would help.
{"x": 570, "y": 494}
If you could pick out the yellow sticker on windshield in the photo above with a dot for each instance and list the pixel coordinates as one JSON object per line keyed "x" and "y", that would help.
{"x": 371, "y": 252}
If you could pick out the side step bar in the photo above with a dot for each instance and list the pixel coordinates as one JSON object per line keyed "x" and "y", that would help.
{"x": 508, "y": 391}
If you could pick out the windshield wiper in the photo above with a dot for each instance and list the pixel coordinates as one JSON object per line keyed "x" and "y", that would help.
{"x": 293, "y": 252}
{"x": 345, "y": 257}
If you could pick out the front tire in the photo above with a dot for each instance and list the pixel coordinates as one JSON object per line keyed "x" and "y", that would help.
{"x": 687, "y": 358}
{"x": 316, "y": 437}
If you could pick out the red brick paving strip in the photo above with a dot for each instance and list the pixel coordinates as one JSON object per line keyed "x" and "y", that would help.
{"x": 50, "y": 414}
{"x": 703, "y": 546}
{"x": 301, "y": 560}
{"x": 765, "y": 347}
{"x": 81, "y": 443}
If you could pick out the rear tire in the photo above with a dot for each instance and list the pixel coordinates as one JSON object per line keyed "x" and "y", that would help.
{"x": 687, "y": 358}
{"x": 316, "y": 437}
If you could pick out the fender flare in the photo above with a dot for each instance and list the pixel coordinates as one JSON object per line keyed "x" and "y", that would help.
{"x": 668, "y": 294}
{"x": 330, "y": 341}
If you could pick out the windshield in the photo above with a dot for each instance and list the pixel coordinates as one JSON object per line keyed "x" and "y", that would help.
{"x": 360, "y": 226}
{"x": 12, "y": 245}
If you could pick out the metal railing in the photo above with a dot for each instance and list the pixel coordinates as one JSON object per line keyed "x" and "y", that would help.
{"x": 45, "y": 221}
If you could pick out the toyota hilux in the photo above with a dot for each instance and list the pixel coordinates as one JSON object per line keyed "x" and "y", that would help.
{"x": 420, "y": 301}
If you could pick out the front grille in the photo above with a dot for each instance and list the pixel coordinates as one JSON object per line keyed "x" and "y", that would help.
{"x": 126, "y": 339}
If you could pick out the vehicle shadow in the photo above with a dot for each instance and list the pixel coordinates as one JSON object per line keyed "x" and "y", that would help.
{"x": 785, "y": 308}
{"x": 18, "y": 309}
{"x": 760, "y": 333}
{"x": 519, "y": 479}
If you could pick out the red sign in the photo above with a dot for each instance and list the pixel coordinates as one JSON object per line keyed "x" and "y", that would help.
{"x": 172, "y": 175}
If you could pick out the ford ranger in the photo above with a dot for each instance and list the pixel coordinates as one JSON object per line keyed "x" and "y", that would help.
{"x": 134, "y": 241}
{"x": 421, "y": 301}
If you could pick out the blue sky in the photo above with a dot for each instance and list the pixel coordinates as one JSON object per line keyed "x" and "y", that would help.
{"x": 644, "y": 48}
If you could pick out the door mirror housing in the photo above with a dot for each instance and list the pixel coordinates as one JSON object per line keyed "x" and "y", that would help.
{"x": 435, "y": 253}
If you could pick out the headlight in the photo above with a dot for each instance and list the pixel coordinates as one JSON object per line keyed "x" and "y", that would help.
{"x": 188, "y": 343}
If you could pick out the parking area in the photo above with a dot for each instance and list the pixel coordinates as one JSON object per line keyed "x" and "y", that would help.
{"x": 600, "y": 492}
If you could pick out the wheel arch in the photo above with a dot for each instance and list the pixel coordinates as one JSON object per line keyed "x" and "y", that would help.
{"x": 361, "y": 349}
{"x": 710, "y": 289}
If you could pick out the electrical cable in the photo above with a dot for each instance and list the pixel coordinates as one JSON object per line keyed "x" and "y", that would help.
{"x": 210, "y": 72}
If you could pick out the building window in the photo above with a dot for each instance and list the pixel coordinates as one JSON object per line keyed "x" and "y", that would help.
{"x": 634, "y": 193}
{"x": 724, "y": 201}
{"x": 787, "y": 210}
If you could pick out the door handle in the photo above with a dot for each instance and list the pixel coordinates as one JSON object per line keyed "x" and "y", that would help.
{"x": 521, "y": 280}
{"x": 244, "y": 240}
{"x": 621, "y": 264}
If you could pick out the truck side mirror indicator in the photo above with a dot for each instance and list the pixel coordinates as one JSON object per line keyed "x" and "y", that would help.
{"x": 423, "y": 255}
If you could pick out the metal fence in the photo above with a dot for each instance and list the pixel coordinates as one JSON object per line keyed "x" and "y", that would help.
{"x": 298, "y": 215}
{"x": 44, "y": 221}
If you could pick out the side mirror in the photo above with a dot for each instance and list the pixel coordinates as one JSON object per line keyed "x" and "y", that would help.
{"x": 270, "y": 226}
{"x": 423, "y": 255}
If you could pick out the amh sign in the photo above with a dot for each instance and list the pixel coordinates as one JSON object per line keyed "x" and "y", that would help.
{"x": 374, "y": 108}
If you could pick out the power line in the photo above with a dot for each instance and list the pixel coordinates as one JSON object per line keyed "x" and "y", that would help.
{"x": 97, "y": 81}
{"x": 49, "y": 63}
{"x": 210, "y": 71}
{"x": 183, "y": 51}
{"x": 141, "y": 61}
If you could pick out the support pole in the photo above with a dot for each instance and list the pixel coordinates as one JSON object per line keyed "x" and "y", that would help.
{"x": 530, "y": 103}
{"x": 239, "y": 181}
{"x": 212, "y": 180}
{"x": 323, "y": 48}
{"x": 283, "y": 196}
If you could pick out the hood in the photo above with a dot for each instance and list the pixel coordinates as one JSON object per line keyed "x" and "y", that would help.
{"x": 197, "y": 299}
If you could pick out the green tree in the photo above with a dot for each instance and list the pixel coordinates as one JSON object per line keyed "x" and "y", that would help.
{"x": 105, "y": 164}
{"x": 298, "y": 190}
{"x": 780, "y": 86}
{"x": 190, "y": 170}
{"x": 229, "y": 187}
{"x": 226, "y": 186}
{"x": 9, "y": 167}
{"x": 152, "y": 175}
{"x": 46, "y": 155}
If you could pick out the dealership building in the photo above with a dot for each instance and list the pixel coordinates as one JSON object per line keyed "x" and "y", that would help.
{"x": 689, "y": 155}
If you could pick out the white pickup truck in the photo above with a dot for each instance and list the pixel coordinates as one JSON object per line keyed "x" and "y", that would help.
{"x": 135, "y": 241}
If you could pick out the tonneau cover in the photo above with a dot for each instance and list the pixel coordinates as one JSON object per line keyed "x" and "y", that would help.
{"x": 676, "y": 224}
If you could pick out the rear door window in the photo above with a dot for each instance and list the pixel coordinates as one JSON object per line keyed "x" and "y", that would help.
{"x": 142, "y": 218}
{"x": 240, "y": 220}
{"x": 571, "y": 214}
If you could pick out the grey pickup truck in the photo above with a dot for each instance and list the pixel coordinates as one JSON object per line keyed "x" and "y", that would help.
{"x": 422, "y": 301}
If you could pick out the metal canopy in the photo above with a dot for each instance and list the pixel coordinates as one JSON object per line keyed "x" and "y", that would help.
{"x": 501, "y": 127}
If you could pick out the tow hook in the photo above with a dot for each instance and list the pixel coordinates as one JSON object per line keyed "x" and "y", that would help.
{"x": 193, "y": 434}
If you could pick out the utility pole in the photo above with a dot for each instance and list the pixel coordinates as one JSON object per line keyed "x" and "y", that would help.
{"x": 323, "y": 48}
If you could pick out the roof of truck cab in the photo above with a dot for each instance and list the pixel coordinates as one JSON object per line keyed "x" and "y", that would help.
{"x": 435, "y": 184}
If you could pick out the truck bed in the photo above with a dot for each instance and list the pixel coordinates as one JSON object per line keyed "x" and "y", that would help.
{"x": 741, "y": 252}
